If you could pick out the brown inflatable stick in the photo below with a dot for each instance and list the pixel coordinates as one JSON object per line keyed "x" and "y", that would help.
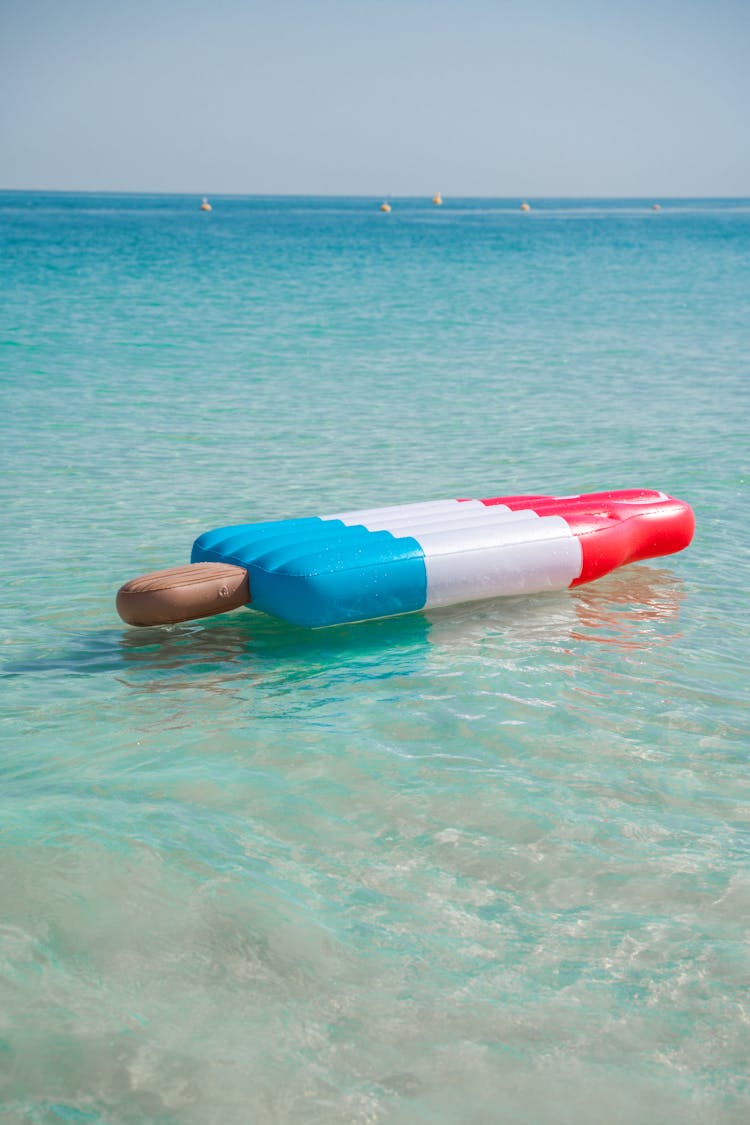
{"x": 183, "y": 593}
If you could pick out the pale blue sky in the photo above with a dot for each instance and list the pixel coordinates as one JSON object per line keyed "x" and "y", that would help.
{"x": 403, "y": 98}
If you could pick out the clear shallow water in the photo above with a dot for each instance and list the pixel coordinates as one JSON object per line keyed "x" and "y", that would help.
{"x": 486, "y": 865}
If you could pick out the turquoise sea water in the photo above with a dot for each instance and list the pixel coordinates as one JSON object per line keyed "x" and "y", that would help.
{"x": 489, "y": 865}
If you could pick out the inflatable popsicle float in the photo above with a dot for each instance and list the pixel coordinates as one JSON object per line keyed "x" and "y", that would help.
{"x": 379, "y": 562}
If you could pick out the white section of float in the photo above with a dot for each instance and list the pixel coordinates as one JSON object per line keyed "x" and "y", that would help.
{"x": 512, "y": 556}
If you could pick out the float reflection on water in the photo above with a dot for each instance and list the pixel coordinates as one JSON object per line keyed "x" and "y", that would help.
{"x": 636, "y": 608}
{"x": 633, "y": 609}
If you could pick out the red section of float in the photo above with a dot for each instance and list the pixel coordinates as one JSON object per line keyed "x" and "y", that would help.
{"x": 614, "y": 528}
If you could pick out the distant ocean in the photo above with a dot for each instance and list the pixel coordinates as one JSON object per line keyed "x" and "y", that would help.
{"x": 488, "y": 865}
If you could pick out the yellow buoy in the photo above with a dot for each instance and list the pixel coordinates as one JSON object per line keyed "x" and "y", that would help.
{"x": 205, "y": 205}
{"x": 525, "y": 207}
{"x": 385, "y": 206}
{"x": 437, "y": 199}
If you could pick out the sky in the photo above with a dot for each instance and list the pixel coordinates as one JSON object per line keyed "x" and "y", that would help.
{"x": 339, "y": 97}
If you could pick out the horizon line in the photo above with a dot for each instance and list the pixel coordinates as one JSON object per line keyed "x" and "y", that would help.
{"x": 347, "y": 195}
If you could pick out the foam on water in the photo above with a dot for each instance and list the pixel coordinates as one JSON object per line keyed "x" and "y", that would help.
{"x": 489, "y": 863}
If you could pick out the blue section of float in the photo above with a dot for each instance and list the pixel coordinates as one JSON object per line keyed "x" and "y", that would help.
{"x": 319, "y": 572}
